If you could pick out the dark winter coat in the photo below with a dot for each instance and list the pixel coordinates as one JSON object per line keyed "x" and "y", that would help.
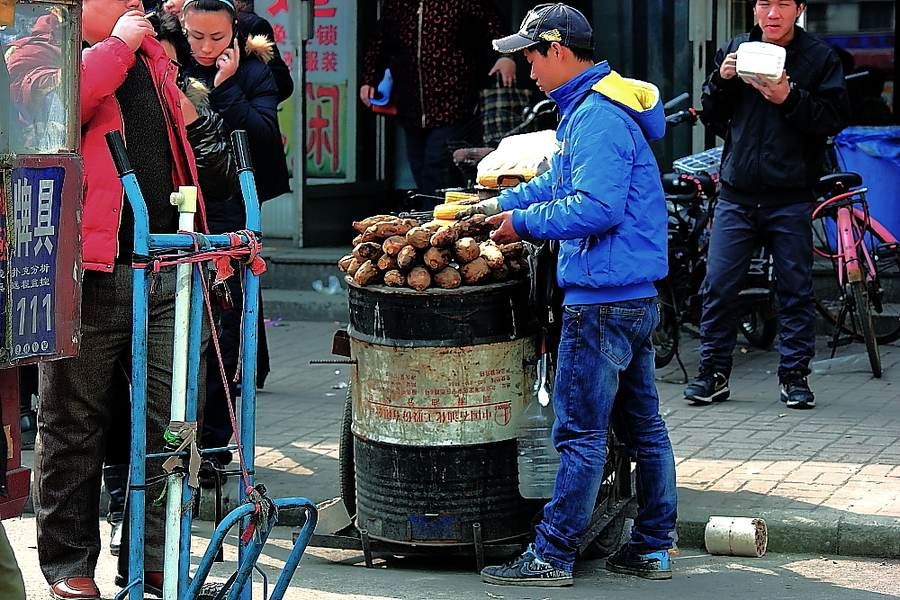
{"x": 247, "y": 100}
{"x": 439, "y": 63}
{"x": 774, "y": 153}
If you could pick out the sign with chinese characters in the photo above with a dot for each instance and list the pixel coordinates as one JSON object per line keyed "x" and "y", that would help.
{"x": 329, "y": 65}
{"x": 430, "y": 396}
{"x": 35, "y": 203}
{"x": 278, "y": 13}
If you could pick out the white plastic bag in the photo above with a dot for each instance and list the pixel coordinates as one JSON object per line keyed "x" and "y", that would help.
{"x": 517, "y": 159}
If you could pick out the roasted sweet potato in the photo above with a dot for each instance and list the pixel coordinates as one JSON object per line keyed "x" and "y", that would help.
{"x": 500, "y": 273}
{"x": 419, "y": 278}
{"x": 466, "y": 250}
{"x": 361, "y": 226}
{"x": 345, "y": 262}
{"x": 437, "y": 258}
{"x": 366, "y": 273}
{"x": 513, "y": 250}
{"x": 386, "y": 229}
{"x": 386, "y": 262}
{"x": 407, "y": 258}
{"x": 367, "y": 251}
{"x": 394, "y": 244}
{"x": 444, "y": 237}
{"x": 475, "y": 272}
{"x": 448, "y": 278}
{"x": 475, "y": 226}
{"x": 518, "y": 268}
{"x": 491, "y": 253}
{"x": 419, "y": 237}
{"x": 394, "y": 278}
{"x": 353, "y": 266}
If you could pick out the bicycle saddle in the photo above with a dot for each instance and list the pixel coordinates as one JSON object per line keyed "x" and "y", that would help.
{"x": 837, "y": 183}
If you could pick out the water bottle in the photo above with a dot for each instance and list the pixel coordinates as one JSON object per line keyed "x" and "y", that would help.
{"x": 850, "y": 363}
{"x": 538, "y": 459}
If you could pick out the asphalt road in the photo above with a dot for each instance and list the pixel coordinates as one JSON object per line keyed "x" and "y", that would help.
{"x": 340, "y": 574}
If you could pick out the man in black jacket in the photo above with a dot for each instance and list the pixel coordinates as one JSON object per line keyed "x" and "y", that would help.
{"x": 775, "y": 132}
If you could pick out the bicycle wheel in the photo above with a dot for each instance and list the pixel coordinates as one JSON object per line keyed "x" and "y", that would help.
{"x": 757, "y": 328}
{"x": 862, "y": 313}
{"x": 665, "y": 336}
{"x": 884, "y": 289}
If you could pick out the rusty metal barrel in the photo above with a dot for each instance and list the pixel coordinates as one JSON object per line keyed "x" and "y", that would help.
{"x": 441, "y": 378}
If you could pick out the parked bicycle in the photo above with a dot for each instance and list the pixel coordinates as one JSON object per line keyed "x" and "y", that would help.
{"x": 865, "y": 261}
{"x": 691, "y": 194}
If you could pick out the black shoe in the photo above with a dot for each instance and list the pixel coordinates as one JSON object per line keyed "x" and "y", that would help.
{"x": 209, "y": 473}
{"x": 654, "y": 565}
{"x": 707, "y": 388}
{"x": 795, "y": 392}
{"x": 527, "y": 569}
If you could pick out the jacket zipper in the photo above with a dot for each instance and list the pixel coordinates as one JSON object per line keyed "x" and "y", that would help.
{"x": 421, "y": 16}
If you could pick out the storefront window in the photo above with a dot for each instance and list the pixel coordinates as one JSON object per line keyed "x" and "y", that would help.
{"x": 38, "y": 63}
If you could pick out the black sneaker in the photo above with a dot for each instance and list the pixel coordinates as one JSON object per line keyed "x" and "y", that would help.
{"x": 654, "y": 565}
{"x": 707, "y": 388}
{"x": 527, "y": 569}
{"x": 795, "y": 392}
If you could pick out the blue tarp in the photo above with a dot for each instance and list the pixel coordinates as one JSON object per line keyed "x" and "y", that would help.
{"x": 874, "y": 153}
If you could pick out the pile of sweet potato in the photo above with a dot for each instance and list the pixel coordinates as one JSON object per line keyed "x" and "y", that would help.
{"x": 404, "y": 253}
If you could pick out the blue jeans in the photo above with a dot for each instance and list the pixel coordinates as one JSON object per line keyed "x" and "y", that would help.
{"x": 605, "y": 376}
{"x": 787, "y": 232}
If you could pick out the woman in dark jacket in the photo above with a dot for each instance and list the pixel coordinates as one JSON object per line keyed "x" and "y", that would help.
{"x": 230, "y": 73}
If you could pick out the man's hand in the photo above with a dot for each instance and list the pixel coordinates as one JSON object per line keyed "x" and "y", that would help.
{"x": 728, "y": 68}
{"x": 227, "y": 63}
{"x": 505, "y": 233}
{"x": 506, "y": 66}
{"x": 488, "y": 207}
{"x": 774, "y": 91}
{"x": 132, "y": 28}
{"x": 366, "y": 93}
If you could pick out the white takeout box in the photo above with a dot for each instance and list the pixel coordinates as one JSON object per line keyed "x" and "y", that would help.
{"x": 760, "y": 57}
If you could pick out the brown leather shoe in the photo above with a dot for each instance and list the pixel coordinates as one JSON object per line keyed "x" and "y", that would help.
{"x": 75, "y": 588}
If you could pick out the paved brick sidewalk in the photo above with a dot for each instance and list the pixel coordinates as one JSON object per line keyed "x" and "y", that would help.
{"x": 825, "y": 480}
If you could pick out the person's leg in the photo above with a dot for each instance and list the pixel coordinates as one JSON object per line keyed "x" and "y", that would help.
{"x": 416, "y": 140}
{"x": 732, "y": 239}
{"x": 73, "y": 417}
{"x": 160, "y": 335}
{"x": 439, "y": 171}
{"x": 788, "y": 236}
{"x": 598, "y": 347}
{"x": 638, "y": 424}
{"x": 12, "y": 586}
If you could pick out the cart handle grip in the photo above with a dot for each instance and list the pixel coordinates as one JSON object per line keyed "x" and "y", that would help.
{"x": 241, "y": 150}
{"x": 116, "y": 144}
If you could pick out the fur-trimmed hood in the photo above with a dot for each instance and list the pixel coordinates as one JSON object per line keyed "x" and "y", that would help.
{"x": 258, "y": 46}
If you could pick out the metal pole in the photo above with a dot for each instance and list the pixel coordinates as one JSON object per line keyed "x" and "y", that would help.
{"x": 186, "y": 201}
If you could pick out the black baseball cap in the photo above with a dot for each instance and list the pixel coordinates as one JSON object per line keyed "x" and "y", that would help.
{"x": 550, "y": 23}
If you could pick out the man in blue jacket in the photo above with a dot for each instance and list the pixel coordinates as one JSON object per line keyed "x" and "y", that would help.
{"x": 603, "y": 200}
{"x": 775, "y": 132}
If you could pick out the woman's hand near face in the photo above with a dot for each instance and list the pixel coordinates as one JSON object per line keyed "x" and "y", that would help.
{"x": 227, "y": 63}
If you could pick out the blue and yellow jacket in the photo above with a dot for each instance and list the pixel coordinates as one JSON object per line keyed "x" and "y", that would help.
{"x": 602, "y": 196}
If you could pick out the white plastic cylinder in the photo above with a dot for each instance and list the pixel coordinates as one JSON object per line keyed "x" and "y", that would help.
{"x": 736, "y": 536}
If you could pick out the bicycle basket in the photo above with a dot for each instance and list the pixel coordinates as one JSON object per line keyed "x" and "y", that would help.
{"x": 703, "y": 162}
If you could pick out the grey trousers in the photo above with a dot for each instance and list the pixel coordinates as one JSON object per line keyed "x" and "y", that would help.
{"x": 12, "y": 586}
{"x": 74, "y": 414}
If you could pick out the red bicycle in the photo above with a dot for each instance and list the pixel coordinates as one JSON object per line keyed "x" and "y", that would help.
{"x": 865, "y": 260}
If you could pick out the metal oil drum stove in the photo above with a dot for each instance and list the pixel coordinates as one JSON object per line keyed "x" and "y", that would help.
{"x": 428, "y": 449}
